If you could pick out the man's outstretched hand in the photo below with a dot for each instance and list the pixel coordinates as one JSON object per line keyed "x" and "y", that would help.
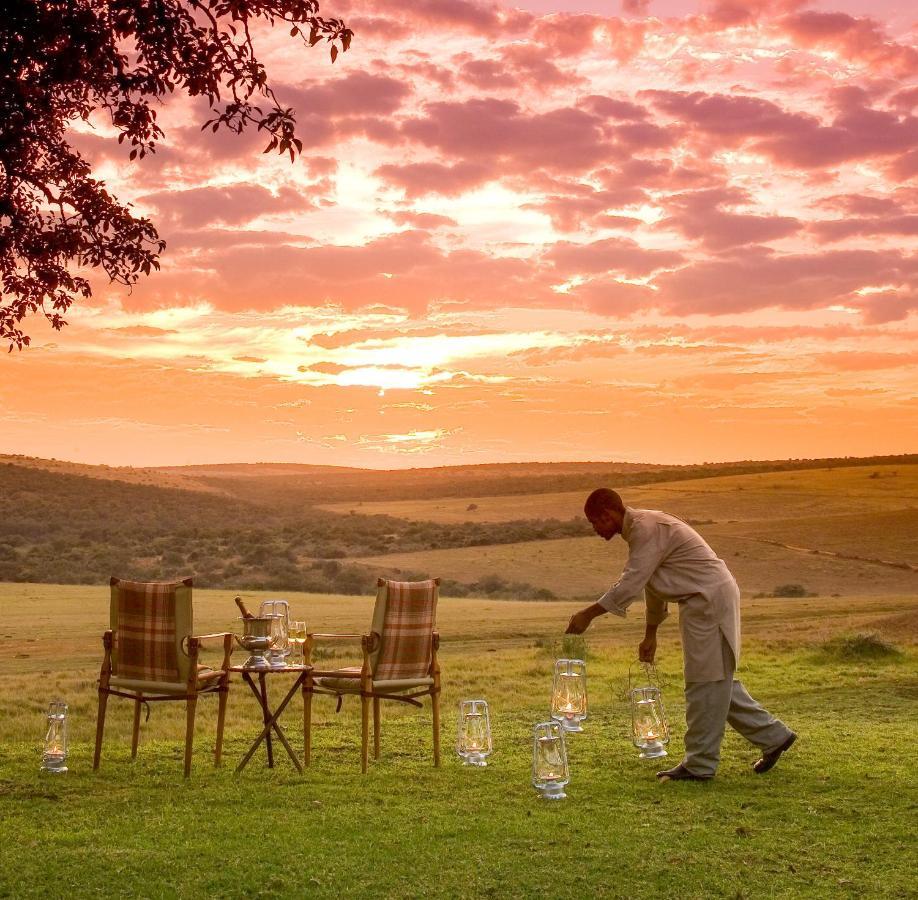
{"x": 580, "y": 621}
{"x": 647, "y": 649}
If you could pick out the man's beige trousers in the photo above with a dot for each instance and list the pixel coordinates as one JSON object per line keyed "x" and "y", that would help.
{"x": 710, "y": 705}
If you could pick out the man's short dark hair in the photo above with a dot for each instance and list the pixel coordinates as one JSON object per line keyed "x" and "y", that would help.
{"x": 603, "y": 500}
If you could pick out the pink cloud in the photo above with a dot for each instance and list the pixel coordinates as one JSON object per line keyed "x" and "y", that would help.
{"x": 500, "y": 133}
{"x": 612, "y": 108}
{"x": 533, "y": 70}
{"x": 417, "y": 179}
{"x": 729, "y": 118}
{"x": 853, "y": 38}
{"x": 567, "y": 34}
{"x": 423, "y": 221}
{"x": 486, "y": 19}
{"x": 698, "y": 215}
{"x": 758, "y": 277}
{"x": 608, "y": 297}
{"x": 402, "y": 271}
{"x": 582, "y": 205}
{"x": 230, "y": 205}
{"x": 636, "y": 7}
{"x": 420, "y": 67}
{"x": 488, "y": 74}
{"x": 356, "y": 94}
{"x": 733, "y": 13}
{"x": 862, "y": 204}
{"x": 618, "y": 255}
{"x": 839, "y": 229}
{"x": 793, "y": 139}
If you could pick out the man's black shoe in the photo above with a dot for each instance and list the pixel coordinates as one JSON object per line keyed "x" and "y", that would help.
{"x": 680, "y": 773}
{"x": 761, "y": 766}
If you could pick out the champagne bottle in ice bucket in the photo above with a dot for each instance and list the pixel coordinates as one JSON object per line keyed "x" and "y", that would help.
{"x": 258, "y": 637}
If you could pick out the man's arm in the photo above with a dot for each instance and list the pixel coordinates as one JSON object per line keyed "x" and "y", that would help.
{"x": 646, "y": 553}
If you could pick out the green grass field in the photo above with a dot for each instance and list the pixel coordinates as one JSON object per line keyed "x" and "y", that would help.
{"x": 834, "y": 819}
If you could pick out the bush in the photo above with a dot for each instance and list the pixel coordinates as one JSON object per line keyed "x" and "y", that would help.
{"x": 791, "y": 590}
{"x": 862, "y": 646}
{"x": 566, "y": 646}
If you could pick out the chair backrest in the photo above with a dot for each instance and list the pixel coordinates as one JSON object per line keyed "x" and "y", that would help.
{"x": 404, "y": 618}
{"x": 149, "y": 621}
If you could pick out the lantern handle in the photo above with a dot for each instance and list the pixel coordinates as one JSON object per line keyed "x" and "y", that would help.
{"x": 653, "y": 676}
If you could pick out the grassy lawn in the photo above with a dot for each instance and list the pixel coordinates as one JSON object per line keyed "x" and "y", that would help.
{"x": 834, "y": 819}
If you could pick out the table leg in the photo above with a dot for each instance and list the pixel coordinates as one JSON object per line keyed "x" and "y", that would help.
{"x": 280, "y": 731}
{"x": 266, "y": 714}
{"x": 271, "y": 722}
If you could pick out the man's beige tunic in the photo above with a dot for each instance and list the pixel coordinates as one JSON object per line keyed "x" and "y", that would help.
{"x": 671, "y": 563}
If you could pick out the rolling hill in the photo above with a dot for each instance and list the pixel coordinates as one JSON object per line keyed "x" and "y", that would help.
{"x": 825, "y": 526}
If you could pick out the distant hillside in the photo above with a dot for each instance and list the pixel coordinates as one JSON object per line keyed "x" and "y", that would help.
{"x": 289, "y": 486}
{"x": 281, "y": 486}
{"x": 66, "y": 528}
{"x": 317, "y": 528}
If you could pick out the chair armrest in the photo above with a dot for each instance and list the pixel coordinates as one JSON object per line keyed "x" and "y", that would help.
{"x": 330, "y": 637}
{"x": 220, "y": 635}
{"x": 192, "y": 643}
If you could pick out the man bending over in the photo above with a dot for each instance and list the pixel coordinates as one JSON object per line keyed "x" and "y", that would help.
{"x": 671, "y": 563}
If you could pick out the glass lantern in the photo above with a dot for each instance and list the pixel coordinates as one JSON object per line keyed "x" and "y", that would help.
{"x": 473, "y": 736}
{"x": 279, "y": 611}
{"x": 649, "y": 728}
{"x": 569, "y": 694}
{"x": 54, "y": 752}
{"x": 550, "y": 772}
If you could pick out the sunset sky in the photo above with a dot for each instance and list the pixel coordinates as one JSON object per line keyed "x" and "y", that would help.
{"x": 656, "y": 230}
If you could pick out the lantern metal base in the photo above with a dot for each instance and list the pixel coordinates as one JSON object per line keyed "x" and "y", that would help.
{"x": 474, "y": 759}
{"x": 552, "y": 792}
{"x": 570, "y": 726}
{"x": 56, "y": 765}
{"x": 653, "y": 751}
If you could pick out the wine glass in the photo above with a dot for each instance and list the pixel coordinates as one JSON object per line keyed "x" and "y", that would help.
{"x": 296, "y": 633}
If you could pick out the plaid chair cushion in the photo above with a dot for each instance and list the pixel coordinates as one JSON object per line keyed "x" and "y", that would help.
{"x": 145, "y": 639}
{"x": 406, "y": 644}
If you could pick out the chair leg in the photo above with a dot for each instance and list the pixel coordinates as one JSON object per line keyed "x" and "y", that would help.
{"x": 135, "y": 734}
{"x": 364, "y": 732}
{"x": 376, "y": 728}
{"x": 435, "y": 703}
{"x": 192, "y": 702}
{"x": 221, "y": 719}
{"x": 100, "y": 728}
{"x": 307, "y": 721}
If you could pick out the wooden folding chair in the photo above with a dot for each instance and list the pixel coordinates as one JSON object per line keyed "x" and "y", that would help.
{"x": 399, "y": 661}
{"x": 151, "y": 656}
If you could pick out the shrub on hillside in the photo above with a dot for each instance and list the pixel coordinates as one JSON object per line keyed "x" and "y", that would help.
{"x": 861, "y": 646}
{"x": 791, "y": 590}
